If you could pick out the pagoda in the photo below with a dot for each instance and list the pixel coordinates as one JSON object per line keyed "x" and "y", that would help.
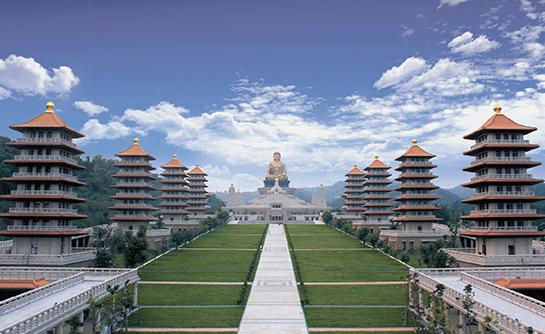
{"x": 415, "y": 214}
{"x": 132, "y": 206}
{"x": 503, "y": 219}
{"x": 173, "y": 194}
{"x": 378, "y": 206}
{"x": 43, "y": 211}
{"x": 197, "y": 196}
{"x": 353, "y": 195}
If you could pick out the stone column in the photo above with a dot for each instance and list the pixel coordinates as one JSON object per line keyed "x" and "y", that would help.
{"x": 81, "y": 320}
{"x": 421, "y": 306}
{"x": 482, "y": 328}
{"x": 135, "y": 295}
{"x": 59, "y": 329}
{"x": 461, "y": 322}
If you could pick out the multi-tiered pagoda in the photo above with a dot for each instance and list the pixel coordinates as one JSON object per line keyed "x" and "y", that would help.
{"x": 353, "y": 196}
{"x": 415, "y": 214}
{"x": 378, "y": 206}
{"x": 197, "y": 196}
{"x": 43, "y": 211}
{"x": 173, "y": 194}
{"x": 132, "y": 206}
{"x": 503, "y": 228}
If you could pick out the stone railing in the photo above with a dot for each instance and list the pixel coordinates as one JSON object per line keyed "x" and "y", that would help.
{"x": 41, "y": 228}
{"x": 22, "y": 299}
{"x": 136, "y": 205}
{"x": 531, "y": 304}
{"x": 399, "y": 233}
{"x": 501, "y": 228}
{"x": 538, "y": 246}
{"x": 46, "y": 175}
{"x": 47, "y": 259}
{"x": 44, "y": 193}
{"x": 45, "y": 158}
{"x": 133, "y": 194}
{"x": 415, "y": 163}
{"x": 502, "y": 176}
{"x": 43, "y": 210}
{"x": 470, "y": 256}
{"x": 503, "y": 211}
{"x": 77, "y": 303}
{"x": 505, "y": 193}
{"x": 482, "y": 311}
{"x": 419, "y": 195}
{"x": 53, "y": 274}
{"x": 133, "y": 184}
{"x": 501, "y": 142}
{"x": 5, "y": 246}
{"x": 501, "y": 159}
{"x": 133, "y": 215}
{"x": 417, "y": 184}
{"x": 45, "y": 141}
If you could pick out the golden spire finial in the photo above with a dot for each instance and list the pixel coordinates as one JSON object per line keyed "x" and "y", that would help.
{"x": 174, "y": 156}
{"x": 414, "y": 142}
{"x": 50, "y": 107}
{"x": 497, "y": 109}
{"x": 355, "y": 165}
{"x": 376, "y": 157}
{"x": 136, "y": 140}
{"x": 196, "y": 165}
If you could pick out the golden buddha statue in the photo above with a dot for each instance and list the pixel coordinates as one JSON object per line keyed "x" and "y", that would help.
{"x": 277, "y": 169}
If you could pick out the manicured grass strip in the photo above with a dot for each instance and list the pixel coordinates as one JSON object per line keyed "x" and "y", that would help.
{"x": 367, "y": 331}
{"x": 357, "y": 295}
{"x": 226, "y": 241}
{"x": 324, "y": 241}
{"x": 187, "y": 317}
{"x": 239, "y": 229}
{"x": 348, "y": 265}
{"x": 311, "y": 229}
{"x": 154, "y": 294}
{"x": 356, "y": 317}
{"x": 130, "y": 331}
{"x": 220, "y": 265}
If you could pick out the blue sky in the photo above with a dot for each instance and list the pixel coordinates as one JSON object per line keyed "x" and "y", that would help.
{"x": 226, "y": 83}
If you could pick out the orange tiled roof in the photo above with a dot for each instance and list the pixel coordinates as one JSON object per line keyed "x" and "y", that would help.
{"x": 521, "y": 283}
{"x": 377, "y": 164}
{"x": 47, "y": 119}
{"x": 135, "y": 150}
{"x": 500, "y": 122}
{"x": 415, "y": 151}
{"x": 355, "y": 171}
{"x": 174, "y": 163}
{"x": 22, "y": 283}
{"x": 197, "y": 171}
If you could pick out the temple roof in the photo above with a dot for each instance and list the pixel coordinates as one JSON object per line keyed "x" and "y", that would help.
{"x": 500, "y": 122}
{"x": 521, "y": 283}
{"x": 355, "y": 171}
{"x": 135, "y": 150}
{"x": 377, "y": 164}
{"x": 174, "y": 163}
{"x": 23, "y": 284}
{"x": 47, "y": 120}
{"x": 415, "y": 151}
{"x": 197, "y": 171}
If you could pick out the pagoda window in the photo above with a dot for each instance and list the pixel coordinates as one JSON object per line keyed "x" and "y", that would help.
{"x": 511, "y": 249}
{"x": 506, "y": 136}
{"x": 48, "y": 151}
{"x": 498, "y": 154}
{"x": 49, "y": 134}
{"x": 498, "y": 136}
{"x": 40, "y": 134}
{"x": 33, "y": 134}
{"x": 509, "y": 188}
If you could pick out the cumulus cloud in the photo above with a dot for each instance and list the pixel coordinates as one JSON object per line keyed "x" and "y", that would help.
{"x": 242, "y": 181}
{"x": 467, "y": 45}
{"x": 28, "y": 77}
{"x": 90, "y": 108}
{"x": 94, "y": 130}
{"x": 527, "y": 39}
{"x": 450, "y": 3}
{"x": 4, "y": 93}
{"x": 397, "y": 74}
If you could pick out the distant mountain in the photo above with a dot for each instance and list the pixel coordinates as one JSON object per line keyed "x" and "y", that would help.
{"x": 461, "y": 191}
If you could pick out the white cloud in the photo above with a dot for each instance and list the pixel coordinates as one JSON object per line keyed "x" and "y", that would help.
{"x": 527, "y": 39}
{"x": 450, "y": 3}
{"x": 397, "y": 74}
{"x": 216, "y": 170}
{"x": 540, "y": 78}
{"x": 406, "y": 32}
{"x": 242, "y": 181}
{"x": 466, "y": 45}
{"x": 28, "y": 77}
{"x": 94, "y": 130}
{"x": 4, "y": 93}
{"x": 90, "y": 108}
{"x": 527, "y": 7}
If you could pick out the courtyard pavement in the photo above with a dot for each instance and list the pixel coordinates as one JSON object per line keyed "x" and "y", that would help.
{"x": 274, "y": 305}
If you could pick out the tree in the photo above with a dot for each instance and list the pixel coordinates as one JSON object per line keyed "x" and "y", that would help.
{"x": 106, "y": 241}
{"x": 327, "y": 218}
{"x": 468, "y": 302}
{"x": 363, "y": 233}
{"x": 136, "y": 247}
{"x": 434, "y": 257}
{"x": 215, "y": 203}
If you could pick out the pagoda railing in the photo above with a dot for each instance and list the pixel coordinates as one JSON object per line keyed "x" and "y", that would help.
{"x": 44, "y": 193}
{"x": 504, "y": 211}
{"x": 416, "y": 184}
{"x": 502, "y": 176}
{"x": 134, "y": 194}
{"x": 45, "y": 158}
{"x": 136, "y": 215}
{"x": 500, "y": 141}
{"x": 469, "y": 255}
{"x": 136, "y": 205}
{"x": 42, "y": 228}
{"x": 419, "y": 195}
{"x": 5, "y": 246}
{"x": 502, "y": 228}
{"x": 501, "y": 159}
{"x": 46, "y": 175}
{"x": 47, "y": 259}
{"x": 26, "y": 140}
{"x": 132, "y": 184}
{"x": 43, "y": 210}
{"x": 504, "y": 193}
{"x": 538, "y": 246}
{"x": 400, "y": 233}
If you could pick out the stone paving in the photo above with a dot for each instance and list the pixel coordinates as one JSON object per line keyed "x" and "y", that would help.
{"x": 274, "y": 305}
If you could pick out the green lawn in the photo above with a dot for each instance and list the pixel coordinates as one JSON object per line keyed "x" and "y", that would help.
{"x": 357, "y": 295}
{"x": 187, "y": 317}
{"x": 194, "y": 265}
{"x": 227, "y": 241}
{"x": 324, "y": 241}
{"x": 312, "y": 229}
{"x": 159, "y": 294}
{"x": 356, "y": 317}
{"x": 348, "y": 266}
{"x": 240, "y": 229}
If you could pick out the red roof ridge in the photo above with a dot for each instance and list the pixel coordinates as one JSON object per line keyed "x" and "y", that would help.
{"x": 355, "y": 171}
{"x": 415, "y": 151}
{"x": 377, "y": 164}
{"x": 174, "y": 163}
{"x": 47, "y": 119}
{"x": 197, "y": 170}
{"x": 135, "y": 150}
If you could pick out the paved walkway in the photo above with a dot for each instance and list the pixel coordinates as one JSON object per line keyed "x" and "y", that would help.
{"x": 192, "y": 283}
{"x": 274, "y": 305}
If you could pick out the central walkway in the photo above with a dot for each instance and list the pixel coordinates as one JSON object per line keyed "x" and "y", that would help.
{"x": 274, "y": 305}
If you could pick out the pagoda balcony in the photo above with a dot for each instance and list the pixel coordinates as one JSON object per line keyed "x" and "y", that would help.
{"x": 501, "y": 229}
{"x": 416, "y": 176}
{"x": 45, "y": 158}
{"x": 381, "y": 204}
{"x": 408, "y": 217}
{"x": 173, "y": 211}
{"x": 419, "y": 195}
{"x": 501, "y": 159}
{"x": 378, "y": 196}
{"x": 45, "y": 176}
{"x": 499, "y": 142}
{"x": 43, "y": 210}
{"x": 470, "y": 255}
{"x": 135, "y": 175}
{"x": 413, "y": 234}
{"x": 42, "y": 228}
{"x": 134, "y": 164}
{"x": 421, "y": 164}
{"x": 139, "y": 194}
{"x": 133, "y": 184}
{"x": 504, "y": 212}
{"x": 133, "y": 216}
{"x": 77, "y": 256}
{"x": 377, "y": 189}
{"x": 502, "y": 177}
{"x": 138, "y": 206}
{"x": 68, "y": 194}
{"x": 378, "y": 174}
{"x": 411, "y": 207}
{"x": 46, "y": 141}
{"x": 504, "y": 194}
